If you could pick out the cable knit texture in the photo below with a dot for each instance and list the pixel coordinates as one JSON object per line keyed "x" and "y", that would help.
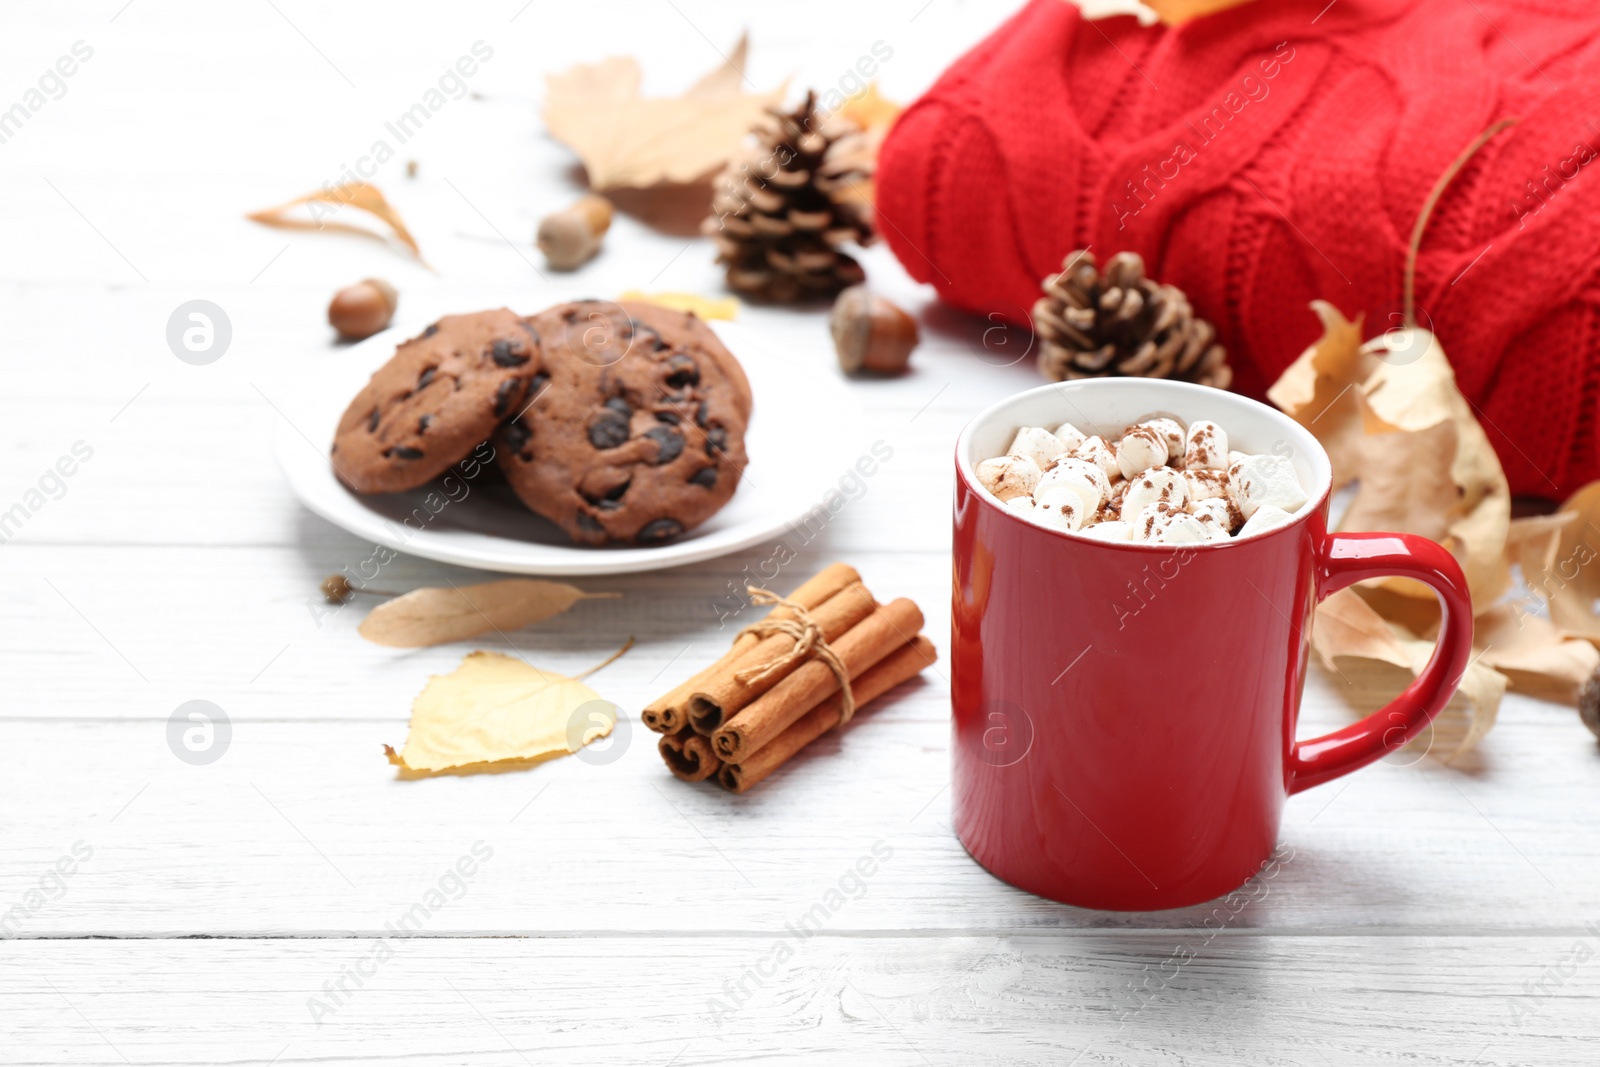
{"x": 1260, "y": 160}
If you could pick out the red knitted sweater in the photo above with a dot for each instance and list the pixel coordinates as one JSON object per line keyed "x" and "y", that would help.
{"x": 1267, "y": 156}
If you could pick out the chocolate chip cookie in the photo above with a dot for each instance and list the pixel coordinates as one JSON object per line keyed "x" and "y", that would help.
{"x": 442, "y": 394}
{"x": 639, "y": 434}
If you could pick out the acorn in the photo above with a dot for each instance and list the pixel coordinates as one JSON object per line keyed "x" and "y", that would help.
{"x": 571, "y": 237}
{"x": 870, "y": 334}
{"x": 363, "y": 309}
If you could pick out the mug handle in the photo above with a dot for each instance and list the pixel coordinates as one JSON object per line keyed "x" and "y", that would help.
{"x": 1344, "y": 559}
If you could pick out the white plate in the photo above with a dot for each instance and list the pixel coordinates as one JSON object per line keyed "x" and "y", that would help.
{"x": 796, "y": 444}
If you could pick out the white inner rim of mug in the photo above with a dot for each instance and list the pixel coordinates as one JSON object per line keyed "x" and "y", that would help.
{"x": 1106, "y": 406}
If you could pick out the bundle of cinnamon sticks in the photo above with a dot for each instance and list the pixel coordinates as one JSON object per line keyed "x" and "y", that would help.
{"x": 783, "y": 683}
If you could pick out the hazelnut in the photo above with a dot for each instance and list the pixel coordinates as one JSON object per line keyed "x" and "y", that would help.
{"x": 1589, "y": 703}
{"x": 870, "y": 334}
{"x": 336, "y": 589}
{"x": 571, "y": 237}
{"x": 363, "y": 309}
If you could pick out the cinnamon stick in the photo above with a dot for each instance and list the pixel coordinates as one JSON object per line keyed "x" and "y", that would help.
{"x": 670, "y": 713}
{"x": 689, "y": 756}
{"x": 725, "y": 693}
{"x": 879, "y": 634}
{"x": 898, "y": 666}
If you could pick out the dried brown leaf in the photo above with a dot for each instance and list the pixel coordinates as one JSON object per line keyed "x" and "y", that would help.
{"x": 1345, "y": 625}
{"x": 1564, "y": 571}
{"x": 1419, "y": 616}
{"x": 1531, "y": 542}
{"x": 1470, "y": 716}
{"x": 1405, "y": 483}
{"x": 326, "y": 202}
{"x": 1456, "y": 492}
{"x": 627, "y": 140}
{"x": 435, "y": 616}
{"x": 1319, "y": 390}
{"x": 1401, "y": 427}
{"x": 1348, "y": 627}
{"x": 1537, "y": 655}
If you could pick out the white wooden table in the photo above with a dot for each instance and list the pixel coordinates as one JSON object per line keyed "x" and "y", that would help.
{"x": 1422, "y": 914}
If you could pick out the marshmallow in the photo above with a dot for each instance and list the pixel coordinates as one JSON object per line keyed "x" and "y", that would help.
{"x": 1009, "y": 476}
{"x": 1218, "y": 510}
{"x": 1267, "y": 517}
{"x": 1084, "y": 479}
{"x": 1159, "y": 485}
{"x": 1058, "y": 509}
{"x": 1069, "y": 435}
{"x": 1181, "y": 529}
{"x": 1216, "y": 530}
{"x": 1114, "y": 530}
{"x": 1111, "y": 507}
{"x": 1041, "y": 446}
{"x": 1095, "y": 450}
{"x": 1140, "y": 449}
{"x": 1256, "y": 481}
{"x": 1171, "y": 431}
{"x": 1205, "y": 447}
{"x": 1206, "y": 484}
{"x": 1153, "y": 519}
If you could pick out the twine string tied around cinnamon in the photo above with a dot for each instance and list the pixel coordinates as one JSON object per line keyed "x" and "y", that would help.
{"x": 808, "y": 644}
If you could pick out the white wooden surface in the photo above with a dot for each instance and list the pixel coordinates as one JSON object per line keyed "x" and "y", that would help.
{"x": 1421, "y": 914}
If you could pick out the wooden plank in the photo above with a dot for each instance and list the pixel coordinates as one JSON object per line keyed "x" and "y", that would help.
{"x": 247, "y": 627}
{"x": 302, "y": 828}
{"x": 773, "y": 998}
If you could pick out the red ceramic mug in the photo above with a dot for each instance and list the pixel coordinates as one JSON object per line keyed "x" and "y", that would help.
{"x": 1124, "y": 714}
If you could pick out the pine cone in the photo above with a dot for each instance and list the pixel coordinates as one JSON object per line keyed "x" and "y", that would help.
{"x": 1092, "y": 325}
{"x": 782, "y": 210}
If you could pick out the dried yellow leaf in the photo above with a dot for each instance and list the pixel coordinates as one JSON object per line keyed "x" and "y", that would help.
{"x": 868, "y": 109}
{"x": 1170, "y": 12}
{"x": 327, "y": 202}
{"x": 434, "y": 616}
{"x": 495, "y": 712}
{"x": 726, "y": 309}
{"x": 627, "y": 140}
{"x": 1319, "y": 390}
{"x": 1173, "y": 12}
